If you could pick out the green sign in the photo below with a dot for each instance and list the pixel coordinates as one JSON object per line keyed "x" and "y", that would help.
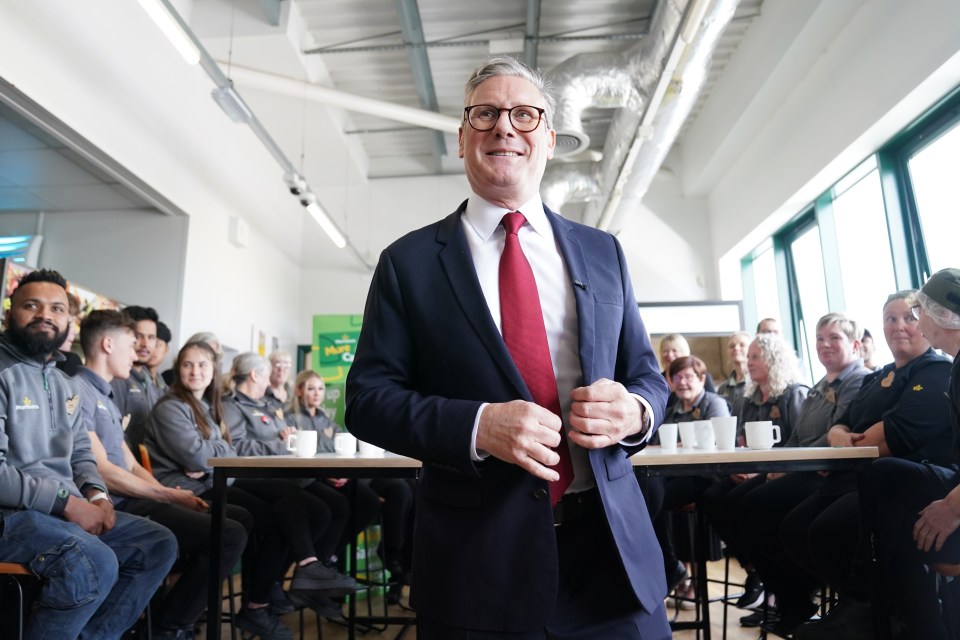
{"x": 334, "y": 343}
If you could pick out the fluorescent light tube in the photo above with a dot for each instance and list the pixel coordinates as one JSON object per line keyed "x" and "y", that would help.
{"x": 232, "y": 104}
{"x": 170, "y": 26}
{"x": 326, "y": 224}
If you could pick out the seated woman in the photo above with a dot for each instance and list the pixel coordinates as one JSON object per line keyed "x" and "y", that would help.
{"x": 760, "y": 505}
{"x": 917, "y": 504}
{"x": 903, "y": 411}
{"x": 673, "y": 346}
{"x": 773, "y": 393}
{"x": 687, "y": 377}
{"x": 732, "y": 388}
{"x": 183, "y": 433}
{"x": 306, "y": 412}
{"x": 256, "y": 430}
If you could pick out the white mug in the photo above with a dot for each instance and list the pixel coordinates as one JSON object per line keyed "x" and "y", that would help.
{"x": 303, "y": 443}
{"x": 703, "y": 432}
{"x": 345, "y": 444}
{"x": 725, "y": 431}
{"x": 668, "y": 435}
{"x": 368, "y": 450}
{"x": 762, "y": 435}
{"x": 688, "y": 436}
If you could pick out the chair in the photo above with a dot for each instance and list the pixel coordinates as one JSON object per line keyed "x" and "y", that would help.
{"x": 948, "y": 588}
{"x": 17, "y": 575}
{"x": 145, "y": 459}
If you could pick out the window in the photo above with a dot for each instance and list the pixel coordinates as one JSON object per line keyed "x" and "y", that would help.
{"x": 863, "y": 248}
{"x": 765, "y": 285}
{"x": 933, "y": 172}
{"x": 807, "y": 258}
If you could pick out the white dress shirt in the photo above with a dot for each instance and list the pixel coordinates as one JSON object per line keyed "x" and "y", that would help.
{"x": 485, "y": 237}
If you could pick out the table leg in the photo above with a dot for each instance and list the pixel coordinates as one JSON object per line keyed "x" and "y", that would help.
{"x": 215, "y": 587}
{"x": 881, "y": 626}
{"x": 703, "y": 552}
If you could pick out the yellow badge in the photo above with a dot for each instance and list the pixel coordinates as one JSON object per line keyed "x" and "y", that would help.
{"x": 696, "y": 413}
{"x": 278, "y": 413}
{"x": 831, "y": 396}
{"x": 72, "y": 403}
{"x": 125, "y": 421}
{"x": 918, "y": 387}
{"x": 774, "y": 412}
{"x": 886, "y": 382}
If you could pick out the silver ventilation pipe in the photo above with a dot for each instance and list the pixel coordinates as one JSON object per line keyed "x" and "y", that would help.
{"x": 565, "y": 182}
{"x": 609, "y": 81}
{"x": 629, "y": 178}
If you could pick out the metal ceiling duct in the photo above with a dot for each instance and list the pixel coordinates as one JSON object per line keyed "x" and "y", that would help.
{"x": 565, "y": 182}
{"x": 612, "y": 80}
{"x": 626, "y": 173}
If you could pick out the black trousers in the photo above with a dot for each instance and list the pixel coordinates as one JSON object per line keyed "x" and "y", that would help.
{"x": 902, "y": 490}
{"x": 184, "y": 603}
{"x": 758, "y": 519}
{"x": 340, "y": 503}
{"x": 822, "y": 533}
{"x": 594, "y": 599}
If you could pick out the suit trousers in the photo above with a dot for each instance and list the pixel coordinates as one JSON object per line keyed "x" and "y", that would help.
{"x": 594, "y": 600}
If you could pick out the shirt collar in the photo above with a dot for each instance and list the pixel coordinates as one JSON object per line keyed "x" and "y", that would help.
{"x": 484, "y": 217}
{"x": 94, "y": 379}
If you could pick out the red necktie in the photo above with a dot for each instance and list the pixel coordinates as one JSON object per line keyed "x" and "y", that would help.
{"x": 521, "y": 322}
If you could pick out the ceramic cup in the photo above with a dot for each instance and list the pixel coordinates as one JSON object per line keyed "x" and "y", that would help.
{"x": 668, "y": 435}
{"x": 688, "y": 436}
{"x": 303, "y": 443}
{"x": 725, "y": 431}
{"x": 762, "y": 435}
{"x": 703, "y": 431}
{"x": 345, "y": 444}
{"x": 368, "y": 450}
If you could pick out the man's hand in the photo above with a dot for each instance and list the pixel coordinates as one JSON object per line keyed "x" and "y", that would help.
{"x": 109, "y": 514}
{"x": 840, "y": 436}
{"x": 185, "y": 498}
{"x": 521, "y": 433}
{"x": 937, "y": 522}
{"x": 87, "y": 516}
{"x": 603, "y": 414}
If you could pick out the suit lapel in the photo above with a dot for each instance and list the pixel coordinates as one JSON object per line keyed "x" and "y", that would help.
{"x": 580, "y": 277}
{"x": 455, "y": 258}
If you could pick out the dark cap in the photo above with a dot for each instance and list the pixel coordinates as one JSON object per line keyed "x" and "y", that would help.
{"x": 943, "y": 287}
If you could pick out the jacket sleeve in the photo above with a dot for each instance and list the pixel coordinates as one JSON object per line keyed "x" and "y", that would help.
{"x": 177, "y": 435}
{"x": 243, "y": 440}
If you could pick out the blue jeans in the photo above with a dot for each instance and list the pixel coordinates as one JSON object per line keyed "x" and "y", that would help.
{"x": 95, "y": 586}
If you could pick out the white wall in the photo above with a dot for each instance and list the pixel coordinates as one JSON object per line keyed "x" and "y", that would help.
{"x": 814, "y": 88}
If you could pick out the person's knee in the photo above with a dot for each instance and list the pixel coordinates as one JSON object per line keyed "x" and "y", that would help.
{"x": 234, "y": 538}
{"x": 79, "y": 571}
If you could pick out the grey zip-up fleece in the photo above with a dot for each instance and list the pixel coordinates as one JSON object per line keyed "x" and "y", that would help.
{"x": 44, "y": 448}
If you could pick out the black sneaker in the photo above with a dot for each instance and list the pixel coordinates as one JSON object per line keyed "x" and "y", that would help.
{"x": 280, "y": 604}
{"x": 752, "y": 593}
{"x": 756, "y": 618}
{"x": 850, "y": 620}
{"x": 323, "y": 605}
{"x": 260, "y": 622}
{"x": 318, "y": 577}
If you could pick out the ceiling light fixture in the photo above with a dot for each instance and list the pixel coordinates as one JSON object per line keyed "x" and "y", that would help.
{"x": 160, "y": 13}
{"x": 322, "y": 219}
{"x": 232, "y": 104}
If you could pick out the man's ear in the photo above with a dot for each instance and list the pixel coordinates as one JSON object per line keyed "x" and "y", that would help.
{"x": 106, "y": 344}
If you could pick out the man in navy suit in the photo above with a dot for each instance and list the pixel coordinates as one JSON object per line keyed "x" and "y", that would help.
{"x": 435, "y": 377}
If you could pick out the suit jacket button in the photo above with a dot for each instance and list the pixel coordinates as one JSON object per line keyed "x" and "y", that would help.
{"x": 540, "y": 494}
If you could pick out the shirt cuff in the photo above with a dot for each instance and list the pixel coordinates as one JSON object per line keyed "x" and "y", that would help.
{"x": 476, "y": 455}
{"x": 646, "y": 428}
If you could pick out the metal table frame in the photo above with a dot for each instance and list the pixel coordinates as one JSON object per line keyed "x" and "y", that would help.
{"x": 320, "y": 466}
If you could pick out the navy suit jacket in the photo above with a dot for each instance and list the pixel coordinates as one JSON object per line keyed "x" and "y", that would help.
{"x": 428, "y": 356}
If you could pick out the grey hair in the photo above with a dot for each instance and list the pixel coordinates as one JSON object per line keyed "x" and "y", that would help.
{"x": 906, "y": 294}
{"x": 943, "y": 317}
{"x": 782, "y": 366}
{"x": 243, "y": 365}
{"x": 848, "y": 326}
{"x": 279, "y": 354}
{"x": 507, "y": 66}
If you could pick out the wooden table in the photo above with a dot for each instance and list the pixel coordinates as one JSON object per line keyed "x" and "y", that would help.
{"x": 323, "y": 465}
{"x": 656, "y": 461}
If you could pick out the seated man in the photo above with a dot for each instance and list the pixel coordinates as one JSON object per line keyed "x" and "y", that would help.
{"x": 99, "y": 567}
{"x": 108, "y": 346}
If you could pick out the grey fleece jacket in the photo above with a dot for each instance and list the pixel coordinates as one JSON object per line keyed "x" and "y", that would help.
{"x": 44, "y": 447}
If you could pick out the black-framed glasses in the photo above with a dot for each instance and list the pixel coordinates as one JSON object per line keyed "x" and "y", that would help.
{"x": 915, "y": 310}
{"x": 484, "y": 117}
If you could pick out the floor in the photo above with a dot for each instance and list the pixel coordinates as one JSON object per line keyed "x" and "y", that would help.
{"x": 334, "y": 631}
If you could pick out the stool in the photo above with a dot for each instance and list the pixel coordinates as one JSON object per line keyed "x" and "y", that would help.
{"x": 17, "y": 575}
